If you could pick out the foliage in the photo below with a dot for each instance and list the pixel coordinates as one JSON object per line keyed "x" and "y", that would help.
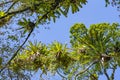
{"x": 83, "y": 58}
{"x": 8, "y": 35}
{"x": 5, "y": 20}
{"x": 53, "y": 9}
{"x": 113, "y": 3}
{"x": 18, "y": 61}
{"x": 27, "y": 15}
{"x": 27, "y": 25}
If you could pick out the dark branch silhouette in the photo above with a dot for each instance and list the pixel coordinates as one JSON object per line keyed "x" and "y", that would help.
{"x": 44, "y": 16}
{"x": 92, "y": 75}
{"x": 105, "y": 72}
{"x": 3, "y": 3}
{"x": 83, "y": 71}
{"x": 15, "y": 12}
{"x": 113, "y": 72}
{"x": 17, "y": 51}
{"x": 61, "y": 75}
{"x": 11, "y": 6}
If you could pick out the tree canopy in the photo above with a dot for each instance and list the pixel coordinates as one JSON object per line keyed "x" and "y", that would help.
{"x": 96, "y": 48}
{"x": 93, "y": 50}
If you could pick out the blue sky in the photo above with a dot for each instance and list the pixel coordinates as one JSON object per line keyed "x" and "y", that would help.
{"x": 92, "y": 13}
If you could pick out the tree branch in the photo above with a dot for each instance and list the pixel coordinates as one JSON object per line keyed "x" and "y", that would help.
{"x": 105, "y": 72}
{"x": 15, "y": 12}
{"x": 10, "y": 74}
{"x": 81, "y": 72}
{"x": 114, "y": 68}
{"x": 92, "y": 76}
{"x": 17, "y": 51}
{"x": 28, "y": 8}
{"x": 1, "y": 4}
{"x": 61, "y": 75}
{"x": 11, "y": 6}
{"x": 53, "y": 8}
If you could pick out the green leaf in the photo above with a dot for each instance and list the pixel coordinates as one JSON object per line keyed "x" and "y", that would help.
{"x": 21, "y": 23}
{"x": 1, "y": 60}
{"x": 63, "y": 12}
{"x": 2, "y": 13}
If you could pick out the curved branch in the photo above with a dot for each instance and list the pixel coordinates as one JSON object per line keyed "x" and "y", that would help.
{"x": 105, "y": 72}
{"x": 86, "y": 69}
{"x": 61, "y": 75}
{"x": 114, "y": 69}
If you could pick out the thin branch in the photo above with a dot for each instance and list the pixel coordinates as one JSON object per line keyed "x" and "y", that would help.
{"x": 105, "y": 72}
{"x": 1, "y": 4}
{"x": 22, "y": 10}
{"x": 53, "y": 8}
{"x": 90, "y": 45}
{"x": 114, "y": 68}
{"x": 81, "y": 72}
{"x": 61, "y": 75}
{"x": 20, "y": 46}
{"x": 15, "y": 12}
{"x": 10, "y": 74}
{"x": 11, "y": 6}
{"x": 17, "y": 51}
{"x": 92, "y": 76}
